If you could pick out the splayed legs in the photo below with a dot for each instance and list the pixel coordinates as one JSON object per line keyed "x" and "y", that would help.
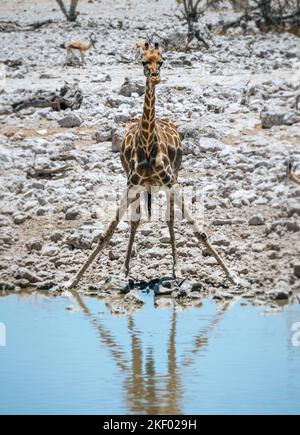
{"x": 131, "y": 196}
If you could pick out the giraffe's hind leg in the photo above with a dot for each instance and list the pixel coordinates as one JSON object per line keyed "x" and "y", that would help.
{"x": 170, "y": 222}
{"x": 202, "y": 237}
{"x": 135, "y": 221}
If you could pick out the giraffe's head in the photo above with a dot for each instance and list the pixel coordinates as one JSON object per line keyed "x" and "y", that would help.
{"x": 151, "y": 59}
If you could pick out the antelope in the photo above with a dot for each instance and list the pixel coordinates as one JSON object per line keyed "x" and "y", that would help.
{"x": 81, "y": 46}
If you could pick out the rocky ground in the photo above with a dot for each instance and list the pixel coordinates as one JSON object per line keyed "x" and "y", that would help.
{"x": 236, "y": 106}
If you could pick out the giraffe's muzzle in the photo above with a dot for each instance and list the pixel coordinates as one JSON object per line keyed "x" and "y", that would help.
{"x": 155, "y": 77}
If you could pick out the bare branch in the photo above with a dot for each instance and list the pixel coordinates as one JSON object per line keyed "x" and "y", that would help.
{"x": 270, "y": 13}
{"x": 191, "y": 11}
{"x": 63, "y": 8}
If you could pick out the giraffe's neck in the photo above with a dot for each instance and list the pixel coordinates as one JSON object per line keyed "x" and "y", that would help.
{"x": 147, "y": 125}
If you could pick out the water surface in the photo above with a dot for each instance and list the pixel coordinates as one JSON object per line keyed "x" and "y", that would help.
{"x": 207, "y": 359}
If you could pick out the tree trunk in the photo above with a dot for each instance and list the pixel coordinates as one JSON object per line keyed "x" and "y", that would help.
{"x": 72, "y": 14}
{"x": 266, "y": 11}
{"x": 69, "y": 97}
{"x": 72, "y": 11}
{"x": 63, "y": 8}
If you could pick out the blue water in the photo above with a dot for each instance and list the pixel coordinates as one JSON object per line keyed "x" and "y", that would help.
{"x": 233, "y": 359}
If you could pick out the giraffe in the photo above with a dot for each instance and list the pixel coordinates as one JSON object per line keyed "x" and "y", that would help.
{"x": 151, "y": 155}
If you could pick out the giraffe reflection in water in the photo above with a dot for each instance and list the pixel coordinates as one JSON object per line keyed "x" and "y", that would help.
{"x": 147, "y": 390}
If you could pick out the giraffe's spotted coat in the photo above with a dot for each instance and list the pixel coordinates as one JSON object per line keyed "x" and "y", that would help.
{"x": 151, "y": 151}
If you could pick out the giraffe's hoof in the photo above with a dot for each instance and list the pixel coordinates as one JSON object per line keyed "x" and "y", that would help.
{"x": 68, "y": 285}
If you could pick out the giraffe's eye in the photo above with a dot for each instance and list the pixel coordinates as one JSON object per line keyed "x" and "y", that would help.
{"x": 145, "y": 62}
{"x": 159, "y": 63}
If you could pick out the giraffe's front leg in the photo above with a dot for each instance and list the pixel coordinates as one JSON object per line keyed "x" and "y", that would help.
{"x": 103, "y": 240}
{"x": 202, "y": 237}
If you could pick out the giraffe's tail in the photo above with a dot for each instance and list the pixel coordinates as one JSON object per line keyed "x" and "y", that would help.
{"x": 148, "y": 203}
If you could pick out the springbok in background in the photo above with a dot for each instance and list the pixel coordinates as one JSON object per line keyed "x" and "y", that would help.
{"x": 82, "y": 47}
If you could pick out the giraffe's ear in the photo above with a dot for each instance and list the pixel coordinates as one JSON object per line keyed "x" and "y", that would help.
{"x": 157, "y": 47}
